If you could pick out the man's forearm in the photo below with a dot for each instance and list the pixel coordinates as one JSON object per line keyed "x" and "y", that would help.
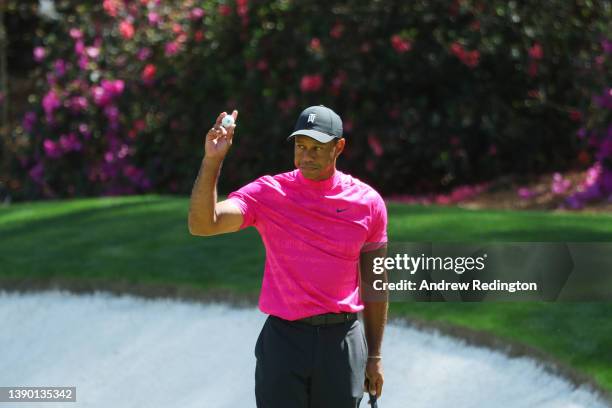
{"x": 376, "y": 302}
{"x": 204, "y": 195}
{"x": 375, "y": 318}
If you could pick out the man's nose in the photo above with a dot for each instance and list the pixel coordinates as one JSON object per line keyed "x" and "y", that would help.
{"x": 307, "y": 160}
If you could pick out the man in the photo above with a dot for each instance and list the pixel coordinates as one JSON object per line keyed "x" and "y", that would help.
{"x": 320, "y": 227}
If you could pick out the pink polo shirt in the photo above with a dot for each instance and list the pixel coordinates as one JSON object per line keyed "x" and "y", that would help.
{"x": 313, "y": 232}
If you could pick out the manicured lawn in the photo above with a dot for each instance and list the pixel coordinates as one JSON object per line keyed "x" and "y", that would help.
{"x": 145, "y": 239}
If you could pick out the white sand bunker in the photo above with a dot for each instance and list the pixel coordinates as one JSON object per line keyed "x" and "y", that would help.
{"x": 130, "y": 352}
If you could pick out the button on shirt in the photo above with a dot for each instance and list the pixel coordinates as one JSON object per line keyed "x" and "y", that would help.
{"x": 313, "y": 232}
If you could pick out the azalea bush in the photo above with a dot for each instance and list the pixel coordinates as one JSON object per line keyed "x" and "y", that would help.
{"x": 434, "y": 95}
{"x": 596, "y": 141}
{"x": 116, "y": 110}
{"x": 596, "y": 133}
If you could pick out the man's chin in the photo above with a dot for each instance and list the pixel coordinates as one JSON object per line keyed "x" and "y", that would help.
{"x": 310, "y": 172}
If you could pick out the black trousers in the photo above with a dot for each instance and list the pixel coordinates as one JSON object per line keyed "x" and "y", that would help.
{"x": 304, "y": 366}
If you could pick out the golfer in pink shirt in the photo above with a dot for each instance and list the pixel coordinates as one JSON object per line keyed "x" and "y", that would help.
{"x": 321, "y": 229}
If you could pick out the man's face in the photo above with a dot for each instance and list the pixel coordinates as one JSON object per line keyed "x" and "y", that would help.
{"x": 316, "y": 160}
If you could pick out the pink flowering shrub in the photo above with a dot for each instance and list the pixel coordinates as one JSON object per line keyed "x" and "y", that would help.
{"x": 434, "y": 96}
{"x": 109, "y": 118}
{"x": 596, "y": 133}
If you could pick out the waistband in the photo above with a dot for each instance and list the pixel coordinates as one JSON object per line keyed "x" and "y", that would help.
{"x": 327, "y": 319}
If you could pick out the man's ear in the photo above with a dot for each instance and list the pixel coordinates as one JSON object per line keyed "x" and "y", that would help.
{"x": 340, "y": 146}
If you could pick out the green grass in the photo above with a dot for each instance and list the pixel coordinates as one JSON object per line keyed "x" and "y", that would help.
{"x": 145, "y": 239}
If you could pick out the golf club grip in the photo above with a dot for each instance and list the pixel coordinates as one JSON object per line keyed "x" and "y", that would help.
{"x": 373, "y": 403}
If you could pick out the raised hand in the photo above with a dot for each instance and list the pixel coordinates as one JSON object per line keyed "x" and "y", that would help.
{"x": 219, "y": 139}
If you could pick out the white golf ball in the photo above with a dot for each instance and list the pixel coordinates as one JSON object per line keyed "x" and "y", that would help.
{"x": 227, "y": 121}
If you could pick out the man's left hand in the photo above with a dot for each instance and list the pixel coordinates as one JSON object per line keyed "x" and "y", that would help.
{"x": 374, "y": 377}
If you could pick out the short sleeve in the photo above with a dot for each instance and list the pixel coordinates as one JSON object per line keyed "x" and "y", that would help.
{"x": 377, "y": 229}
{"x": 246, "y": 198}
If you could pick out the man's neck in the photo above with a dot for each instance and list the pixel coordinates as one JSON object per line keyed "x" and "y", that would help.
{"x": 326, "y": 175}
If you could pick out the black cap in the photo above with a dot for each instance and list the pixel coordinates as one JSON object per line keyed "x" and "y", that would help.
{"x": 320, "y": 123}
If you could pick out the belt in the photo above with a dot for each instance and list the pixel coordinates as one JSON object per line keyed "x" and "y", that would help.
{"x": 329, "y": 318}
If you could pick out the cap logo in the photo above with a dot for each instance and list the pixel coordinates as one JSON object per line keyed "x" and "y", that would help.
{"x": 311, "y": 118}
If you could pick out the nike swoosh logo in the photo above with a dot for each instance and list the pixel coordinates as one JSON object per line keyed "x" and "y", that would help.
{"x": 338, "y": 210}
